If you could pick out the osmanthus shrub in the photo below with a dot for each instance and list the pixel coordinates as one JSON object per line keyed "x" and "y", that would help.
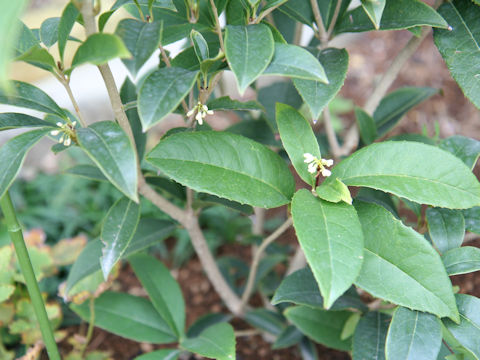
{"x": 372, "y": 284}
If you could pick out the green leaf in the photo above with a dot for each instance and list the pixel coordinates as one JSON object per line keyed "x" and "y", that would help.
{"x": 12, "y": 155}
{"x": 398, "y": 14}
{"x": 472, "y": 219}
{"x": 49, "y": 31}
{"x": 369, "y": 337}
{"x": 396, "y": 104}
{"x": 217, "y": 341}
{"x": 467, "y": 332}
{"x": 6, "y": 291}
{"x": 301, "y": 288}
{"x": 318, "y": 94}
{"x": 397, "y": 258}
{"x": 462, "y": 260}
{"x": 366, "y": 126}
{"x": 296, "y": 62}
{"x": 99, "y": 48}
{"x": 162, "y": 92}
{"x": 117, "y": 230}
{"x": 466, "y": 149}
{"x": 333, "y": 251}
{"x": 30, "y": 97}
{"x": 39, "y": 57}
{"x": 459, "y": 46}
{"x": 129, "y": 316}
{"x": 374, "y": 10}
{"x": 163, "y": 290}
{"x": 226, "y": 103}
{"x": 25, "y": 39}
{"x": 86, "y": 171}
{"x": 17, "y": 120}
{"x": 446, "y": 228}
{"x": 67, "y": 20}
{"x": 206, "y": 321}
{"x": 413, "y": 335}
{"x": 334, "y": 191}
{"x": 249, "y": 50}
{"x": 164, "y": 354}
{"x": 288, "y": 337}
{"x": 266, "y": 320}
{"x": 141, "y": 39}
{"x": 297, "y": 138}
{"x": 225, "y": 165}
{"x": 415, "y": 171}
{"x": 111, "y": 150}
{"x": 321, "y": 326}
{"x": 199, "y": 45}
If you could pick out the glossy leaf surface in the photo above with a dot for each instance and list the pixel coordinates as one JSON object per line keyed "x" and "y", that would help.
{"x": 369, "y": 337}
{"x": 18, "y": 120}
{"x": 446, "y": 228}
{"x": 374, "y": 10}
{"x": 466, "y": 149}
{"x": 462, "y": 260}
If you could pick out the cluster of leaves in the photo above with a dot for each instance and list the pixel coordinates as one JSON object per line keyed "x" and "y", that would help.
{"x": 351, "y": 245}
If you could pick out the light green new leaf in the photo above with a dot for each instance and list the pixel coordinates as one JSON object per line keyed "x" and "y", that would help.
{"x": 129, "y": 316}
{"x": 141, "y": 39}
{"x": 40, "y": 57}
{"x": 12, "y": 155}
{"x": 398, "y": 14}
{"x": 162, "y": 92}
{"x": 415, "y": 171}
{"x": 446, "y": 228}
{"x": 297, "y": 138}
{"x": 164, "y": 354}
{"x": 462, "y": 260}
{"x": 324, "y": 327}
{"x": 225, "y": 165}
{"x": 413, "y": 335}
{"x": 163, "y": 290}
{"x": 334, "y": 191}
{"x": 49, "y": 31}
{"x": 369, "y": 337}
{"x": 459, "y": 46}
{"x": 468, "y": 331}
{"x": 30, "y": 97}
{"x": 217, "y": 342}
{"x": 317, "y": 94}
{"x": 466, "y": 149}
{"x": 396, "y": 104}
{"x": 366, "y": 126}
{"x": 117, "y": 230}
{"x": 99, "y": 48}
{"x": 18, "y": 120}
{"x": 333, "y": 251}
{"x": 249, "y": 50}
{"x": 200, "y": 46}
{"x": 6, "y": 291}
{"x": 397, "y": 258}
{"x": 109, "y": 147}
{"x": 374, "y": 10}
{"x": 296, "y": 62}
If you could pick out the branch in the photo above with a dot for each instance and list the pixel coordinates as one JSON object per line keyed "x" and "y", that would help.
{"x": 256, "y": 261}
{"x": 217, "y": 25}
{"x": 66, "y": 85}
{"x": 322, "y": 32}
{"x": 331, "y": 136}
{"x": 334, "y": 19}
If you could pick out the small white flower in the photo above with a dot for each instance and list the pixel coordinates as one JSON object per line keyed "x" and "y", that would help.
{"x": 59, "y": 124}
{"x": 190, "y": 113}
{"x": 308, "y": 158}
{"x": 312, "y": 167}
{"x": 326, "y": 172}
{"x": 315, "y": 164}
{"x": 199, "y": 118}
{"x": 67, "y": 141}
{"x": 202, "y": 112}
{"x": 54, "y": 132}
{"x": 67, "y": 131}
{"x": 327, "y": 162}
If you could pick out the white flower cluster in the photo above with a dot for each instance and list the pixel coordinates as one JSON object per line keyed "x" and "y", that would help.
{"x": 315, "y": 165}
{"x": 67, "y": 132}
{"x": 202, "y": 112}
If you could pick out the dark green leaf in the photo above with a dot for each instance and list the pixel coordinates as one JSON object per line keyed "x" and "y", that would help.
{"x": 298, "y": 139}
{"x": 164, "y": 354}
{"x": 129, "y": 316}
{"x": 25, "y": 39}
{"x": 318, "y": 94}
{"x": 472, "y": 219}
{"x": 162, "y": 92}
{"x": 225, "y": 103}
{"x": 87, "y": 171}
{"x": 369, "y": 337}
{"x": 415, "y": 171}
{"x": 398, "y": 14}
{"x": 67, "y": 20}
{"x": 396, "y": 104}
{"x": 397, "y": 258}
{"x": 12, "y": 155}
{"x": 446, "y": 228}
{"x": 366, "y": 126}
{"x": 413, "y": 335}
{"x": 99, "y": 48}
{"x": 462, "y": 260}
{"x": 308, "y": 349}
{"x": 39, "y": 57}
{"x": 17, "y": 120}
{"x": 377, "y": 197}
{"x": 459, "y": 45}
{"x": 206, "y": 321}
{"x": 117, "y": 230}
{"x": 288, "y": 337}
{"x": 374, "y": 10}
{"x": 466, "y": 149}
{"x": 200, "y": 46}
{"x": 266, "y": 320}
{"x": 321, "y": 326}
{"x": 49, "y": 31}
{"x": 225, "y": 165}
{"x": 141, "y": 39}
{"x": 163, "y": 290}
{"x": 249, "y": 50}
{"x": 333, "y": 251}
{"x": 217, "y": 341}
{"x": 110, "y": 149}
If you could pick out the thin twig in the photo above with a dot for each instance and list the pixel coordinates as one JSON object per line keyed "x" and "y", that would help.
{"x": 266, "y": 13}
{"x": 259, "y": 221}
{"x": 256, "y": 261}
{"x": 249, "y": 332}
{"x": 66, "y": 85}
{"x": 331, "y": 135}
{"x": 297, "y": 261}
{"x": 217, "y": 25}
{"x": 334, "y": 19}
{"x": 322, "y": 32}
